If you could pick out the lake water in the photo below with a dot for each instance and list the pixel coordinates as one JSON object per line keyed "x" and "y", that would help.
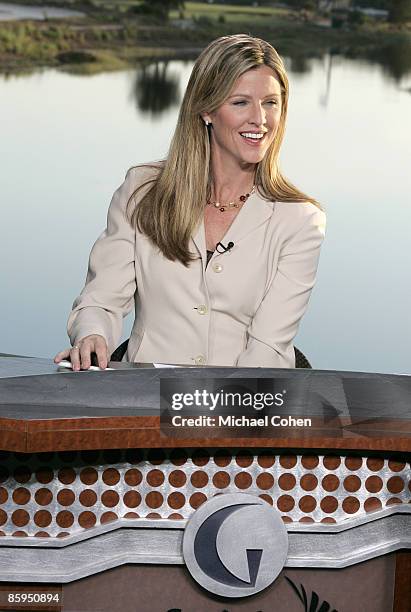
{"x": 67, "y": 140}
{"x": 13, "y": 12}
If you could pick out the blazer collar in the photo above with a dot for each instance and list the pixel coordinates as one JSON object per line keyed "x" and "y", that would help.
{"x": 254, "y": 213}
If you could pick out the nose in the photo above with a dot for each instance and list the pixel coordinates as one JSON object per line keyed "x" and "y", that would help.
{"x": 258, "y": 114}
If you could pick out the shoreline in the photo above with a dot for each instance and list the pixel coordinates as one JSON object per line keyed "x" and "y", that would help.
{"x": 91, "y": 45}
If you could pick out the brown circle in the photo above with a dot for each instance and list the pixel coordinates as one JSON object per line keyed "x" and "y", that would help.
{"x": 110, "y": 498}
{"x": 155, "y": 478}
{"x": 371, "y": 504}
{"x": 328, "y": 519}
{"x": 309, "y": 482}
{"x": 177, "y": 478}
{"x": 244, "y": 459}
{"x": 243, "y": 480}
{"x": 22, "y": 474}
{"x": 63, "y": 534}
{"x": 19, "y": 534}
{"x": 134, "y": 455}
{"x": 131, "y": 515}
{"x": 286, "y": 519}
{"x": 3, "y": 517}
{"x": 353, "y": 463}
{"x": 87, "y": 519}
{"x": 66, "y": 475}
{"x": 41, "y": 534}
{"x": 288, "y": 461}
{"x": 175, "y": 516}
{"x": 329, "y": 504}
{"x": 132, "y": 499}
{"x": 396, "y": 466}
{"x": 42, "y": 518}
{"x": 393, "y": 501}
{"x": 176, "y": 500}
{"x": 108, "y": 517}
{"x": 111, "y": 476}
{"x": 267, "y": 498}
{"x": 351, "y": 505}
{"x": 197, "y": 499}
{"x": 352, "y": 483}
{"x": 88, "y": 476}
{"x": 221, "y": 480}
{"x": 65, "y": 497}
{"x": 3, "y": 495}
{"x": 4, "y": 474}
{"x": 331, "y": 482}
{"x": 133, "y": 477}
{"x": 331, "y": 462}
{"x": 87, "y": 498}
{"x": 156, "y": 456}
{"x": 307, "y": 503}
{"x": 200, "y": 457}
{"x": 286, "y": 482}
{"x": 310, "y": 461}
{"x": 64, "y": 519}
{"x": 374, "y": 464}
{"x": 395, "y": 484}
{"x": 222, "y": 458}
{"x": 306, "y": 519}
{"x": 265, "y": 481}
{"x": 373, "y": 484}
{"x": 44, "y": 474}
{"x": 178, "y": 456}
{"x": 199, "y": 479}
{"x": 20, "y": 518}
{"x": 153, "y": 515}
{"x": 285, "y": 503}
{"x": 2, "y": 533}
{"x": 21, "y": 496}
{"x": 43, "y": 496}
{"x": 154, "y": 499}
{"x": 266, "y": 459}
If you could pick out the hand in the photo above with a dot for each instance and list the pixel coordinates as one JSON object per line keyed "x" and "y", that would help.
{"x": 80, "y": 354}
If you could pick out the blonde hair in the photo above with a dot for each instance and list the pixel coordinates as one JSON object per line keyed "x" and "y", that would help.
{"x": 170, "y": 210}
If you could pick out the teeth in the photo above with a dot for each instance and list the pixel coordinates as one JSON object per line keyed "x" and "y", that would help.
{"x": 252, "y": 135}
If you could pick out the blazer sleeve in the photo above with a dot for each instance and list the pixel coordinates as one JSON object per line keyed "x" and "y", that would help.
{"x": 275, "y": 323}
{"x": 111, "y": 283}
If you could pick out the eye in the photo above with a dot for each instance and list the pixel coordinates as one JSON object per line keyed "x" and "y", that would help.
{"x": 240, "y": 102}
{"x": 272, "y": 102}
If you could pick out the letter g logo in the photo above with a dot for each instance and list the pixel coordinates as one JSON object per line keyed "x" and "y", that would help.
{"x": 235, "y": 545}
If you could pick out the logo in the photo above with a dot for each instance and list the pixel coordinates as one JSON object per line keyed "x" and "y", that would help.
{"x": 235, "y": 545}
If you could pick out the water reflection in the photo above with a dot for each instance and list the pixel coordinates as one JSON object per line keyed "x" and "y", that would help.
{"x": 156, "y": 89}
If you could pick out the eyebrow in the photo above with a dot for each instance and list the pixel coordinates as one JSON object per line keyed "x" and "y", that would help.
{"x": 240, "y": 95}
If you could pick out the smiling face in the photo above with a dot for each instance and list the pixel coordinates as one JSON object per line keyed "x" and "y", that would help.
{"x": 246, "y": 123}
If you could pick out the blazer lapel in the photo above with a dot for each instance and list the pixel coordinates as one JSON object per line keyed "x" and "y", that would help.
{"x": 254, "y": 213}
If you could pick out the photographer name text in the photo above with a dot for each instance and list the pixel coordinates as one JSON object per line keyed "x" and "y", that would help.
{"x": 240, "y": 421}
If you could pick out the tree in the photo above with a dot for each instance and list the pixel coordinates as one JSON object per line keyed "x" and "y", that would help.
{"x": 400, "y": 11}
{"x": 161, "y": 8}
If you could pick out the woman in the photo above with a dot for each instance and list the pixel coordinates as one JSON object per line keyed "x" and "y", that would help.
{"x": 217, "y": 250}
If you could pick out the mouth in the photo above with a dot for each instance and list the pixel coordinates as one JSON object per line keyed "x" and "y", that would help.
{"x": 253, "y": 138}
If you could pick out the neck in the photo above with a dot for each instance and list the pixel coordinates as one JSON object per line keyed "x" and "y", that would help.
{"x": 231, "y": 180}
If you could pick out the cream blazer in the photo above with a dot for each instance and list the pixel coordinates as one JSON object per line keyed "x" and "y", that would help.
{"x": 242, "y": 310}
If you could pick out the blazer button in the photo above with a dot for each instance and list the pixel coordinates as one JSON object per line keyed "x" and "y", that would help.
{"x": 202, "y": 309}
{"x": 217, "y": 267}
{"x": 200, "y": 360}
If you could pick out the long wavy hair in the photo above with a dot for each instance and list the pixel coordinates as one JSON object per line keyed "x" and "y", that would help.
{"x": 169, "y": 211}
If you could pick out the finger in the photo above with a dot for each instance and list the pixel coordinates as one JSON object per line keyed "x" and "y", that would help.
{"x": 101, "y": 352}
{"x": 85, "y": 354}
{"x": 75, "y": 358}
{"x": 62, "y": 355}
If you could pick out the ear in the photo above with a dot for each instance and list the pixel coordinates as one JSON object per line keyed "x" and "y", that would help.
{"x": 206, "y": 118}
